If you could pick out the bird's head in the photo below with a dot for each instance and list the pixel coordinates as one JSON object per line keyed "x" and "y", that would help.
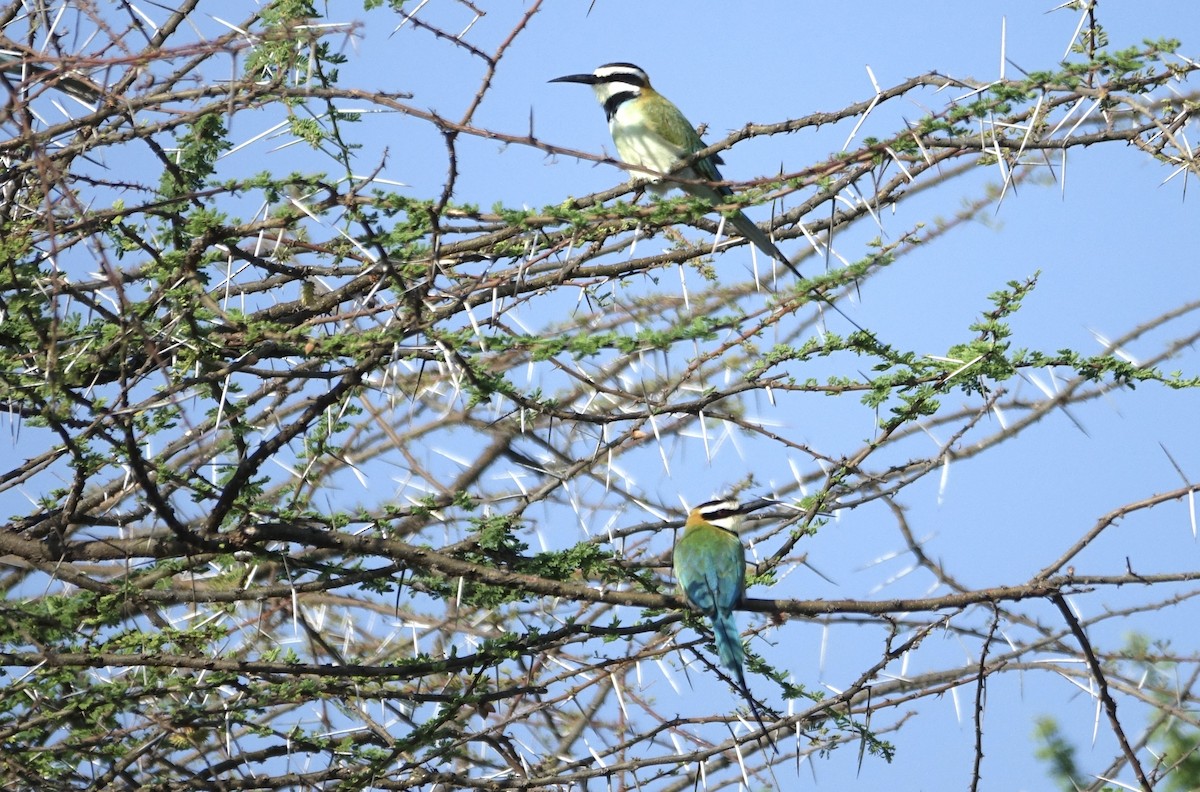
{"x": 611, "y": 79}
{"x": 727, "y": 513}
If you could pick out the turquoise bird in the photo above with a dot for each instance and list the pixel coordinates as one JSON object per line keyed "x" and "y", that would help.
{"x": 710, "y": 565}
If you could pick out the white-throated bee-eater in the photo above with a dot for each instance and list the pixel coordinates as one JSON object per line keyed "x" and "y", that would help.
{"x": 710, "y": 565}
{"x": 652, "y": 133}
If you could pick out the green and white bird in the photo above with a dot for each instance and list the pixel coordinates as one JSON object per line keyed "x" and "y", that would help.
{"x": 652, "y": 133}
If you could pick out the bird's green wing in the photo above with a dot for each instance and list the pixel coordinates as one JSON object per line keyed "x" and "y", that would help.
{"x": 674, "y": 127}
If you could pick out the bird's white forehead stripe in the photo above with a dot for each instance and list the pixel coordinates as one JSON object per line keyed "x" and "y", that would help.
{"x": 723, "y": 514}
{"x": 623, "y": 73}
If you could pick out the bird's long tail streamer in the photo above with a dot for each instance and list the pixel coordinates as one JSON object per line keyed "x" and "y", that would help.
{"x": 733, "y": 656}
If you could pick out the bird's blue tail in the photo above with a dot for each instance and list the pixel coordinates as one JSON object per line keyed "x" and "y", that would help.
{"x": 733, "y": 657}
{"x": 729, "y": 642}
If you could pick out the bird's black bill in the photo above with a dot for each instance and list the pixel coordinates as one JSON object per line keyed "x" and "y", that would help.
{"x": 586, "y": 79}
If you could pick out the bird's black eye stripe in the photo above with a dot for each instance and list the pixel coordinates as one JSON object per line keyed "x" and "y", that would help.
{"x": 632, "y": 78}
{"x": 722, "y": 514}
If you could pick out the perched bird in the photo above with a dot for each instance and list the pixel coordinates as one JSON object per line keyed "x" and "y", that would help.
{"x": 651, "y": 132}
{"x": 710, "y": 565}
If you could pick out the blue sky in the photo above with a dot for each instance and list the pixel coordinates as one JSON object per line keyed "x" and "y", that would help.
{"x": 1113, "y": 244}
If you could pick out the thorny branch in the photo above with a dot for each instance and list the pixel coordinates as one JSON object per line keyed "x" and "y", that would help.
{"x": 324, "y": 481}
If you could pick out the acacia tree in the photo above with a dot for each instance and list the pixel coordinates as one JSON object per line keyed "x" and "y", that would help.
{"x": 318, "y": 483}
